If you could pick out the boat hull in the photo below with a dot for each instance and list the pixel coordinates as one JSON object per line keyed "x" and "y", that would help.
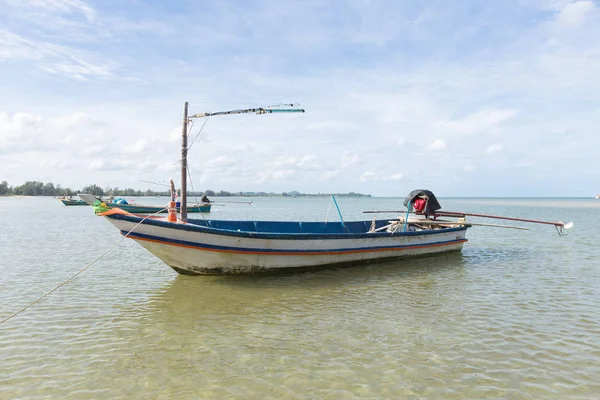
{"x": 190, "y": 249}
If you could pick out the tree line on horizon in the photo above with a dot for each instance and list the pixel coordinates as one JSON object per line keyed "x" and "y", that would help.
{"x": 37, "y": 188}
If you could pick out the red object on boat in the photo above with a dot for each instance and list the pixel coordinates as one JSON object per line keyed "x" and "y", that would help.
{"x": 419, "y": 204}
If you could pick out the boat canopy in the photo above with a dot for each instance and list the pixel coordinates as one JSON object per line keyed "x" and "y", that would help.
{"x": 431, "y": 204}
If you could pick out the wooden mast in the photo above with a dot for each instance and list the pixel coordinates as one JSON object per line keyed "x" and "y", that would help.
{"x": 183, "y": 198}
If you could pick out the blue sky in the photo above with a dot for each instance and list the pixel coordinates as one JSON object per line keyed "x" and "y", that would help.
{"x": 466, "y": 98}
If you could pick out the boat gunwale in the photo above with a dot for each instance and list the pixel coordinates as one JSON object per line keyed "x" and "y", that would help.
{"x": 191, "y": 227}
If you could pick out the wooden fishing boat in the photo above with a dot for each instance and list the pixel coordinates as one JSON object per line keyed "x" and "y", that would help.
{"x": 215, "y": 247}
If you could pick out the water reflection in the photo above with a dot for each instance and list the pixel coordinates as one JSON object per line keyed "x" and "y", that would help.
{"x": 388, "y": 285}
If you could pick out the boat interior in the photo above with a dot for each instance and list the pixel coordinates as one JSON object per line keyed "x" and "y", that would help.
{"x": 315, "y": 227}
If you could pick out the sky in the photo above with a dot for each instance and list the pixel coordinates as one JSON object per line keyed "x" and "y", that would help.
{"x": 464, "y": 98}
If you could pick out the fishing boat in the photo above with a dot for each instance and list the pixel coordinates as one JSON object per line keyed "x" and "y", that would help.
{"x": 72, "y": 202}
{"x": 216, "y": 247}
{"x": 220, "y": 247}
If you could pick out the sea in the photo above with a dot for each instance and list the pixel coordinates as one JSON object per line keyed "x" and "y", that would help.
{"x": 515, "y": 315}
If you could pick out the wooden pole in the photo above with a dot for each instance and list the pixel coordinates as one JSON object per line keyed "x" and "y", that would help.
{"x": 462, "y": 214}
{"x": 453, "y": 223}
{"x": 184, "y": 132}
{"x": 456, "y": 214}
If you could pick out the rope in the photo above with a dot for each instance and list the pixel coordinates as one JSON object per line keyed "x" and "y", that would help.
{"x": 80, "y": 271}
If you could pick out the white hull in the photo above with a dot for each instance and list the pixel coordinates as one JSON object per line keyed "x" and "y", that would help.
{"x": 206, "y": 252}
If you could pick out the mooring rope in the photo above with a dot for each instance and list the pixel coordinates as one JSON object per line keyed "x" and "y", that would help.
{"x": 80, "y": 271}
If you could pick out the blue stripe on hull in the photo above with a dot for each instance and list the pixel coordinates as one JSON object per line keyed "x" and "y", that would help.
{"x": 245, "y": 250}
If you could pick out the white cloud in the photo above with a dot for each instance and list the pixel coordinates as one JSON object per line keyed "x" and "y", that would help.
{"x": 138, "y": 147}
{"x": 55, "y": 6}
{"x": 374, "y": 175}
{"x": 479, "y": 121}
{"x": 19, "y": 123}
{"x": 328, "y": 175}
{"x": 76, "y": 119}
{"x": 220, "y": 162}
{"x": 97, "y": 164}
{"x": 58, "y": 164}
{"x": 66, "y": 61}
{"x": 349, "y": 159}
{"x": 277, "y": 175}
{"x": 167, "y": 167}
{"x": 437, "y": 145}
{"x": 368, "y": 176}
{"x": 494, "y": 148}
{"x": 305, "y": 162}
{"x": 575, "y": 13}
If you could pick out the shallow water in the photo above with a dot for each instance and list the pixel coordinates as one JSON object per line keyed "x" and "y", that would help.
{"x": 514, "y": 315}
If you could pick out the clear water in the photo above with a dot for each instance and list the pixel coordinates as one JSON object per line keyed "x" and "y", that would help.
{"x": 515, "y": 315}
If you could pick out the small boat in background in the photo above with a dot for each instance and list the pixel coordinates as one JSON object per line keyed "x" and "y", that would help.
{"x": 69, "y": 201}
{"x": 598, "y": 196}
{"x": 145, "y": 209}
{"x": 138, "y": 208}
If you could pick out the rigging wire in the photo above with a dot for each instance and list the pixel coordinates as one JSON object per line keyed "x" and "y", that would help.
{"x": 156, "y": 183}
{"x": 189, "y": 128}
{"x": 80, "y": 271}
{"x": 194, "y": 191}
{"x": 229, "y": 102}
{"x": 198, "y": 134}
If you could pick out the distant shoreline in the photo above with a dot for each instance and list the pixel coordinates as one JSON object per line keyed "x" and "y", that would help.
{"x": 341, "y": 195}
{"x": 38, "y": 188}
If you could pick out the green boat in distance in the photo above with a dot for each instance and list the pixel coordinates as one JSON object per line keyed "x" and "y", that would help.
{"x": 72, "y": 202}
{"x": 147, "y": 209}
{"x": 141, "y": 209}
